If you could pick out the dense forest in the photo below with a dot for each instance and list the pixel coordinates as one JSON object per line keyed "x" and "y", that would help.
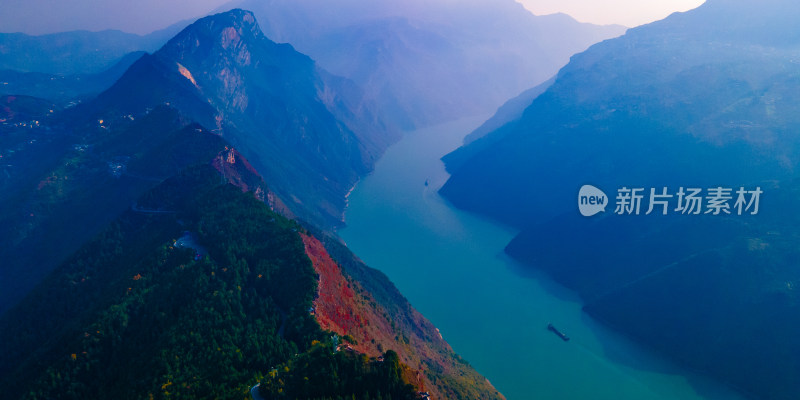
{"x": 323, "y": 373}
{"x": 135, "y": 315}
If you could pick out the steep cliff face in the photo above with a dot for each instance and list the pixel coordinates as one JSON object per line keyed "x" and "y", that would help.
{"x": 702, "y": 99}
{"x": 344, "y": 306}
{"x": 309, "y": 133}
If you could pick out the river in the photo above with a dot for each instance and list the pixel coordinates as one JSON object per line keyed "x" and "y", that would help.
{"x": 450, "y": 265}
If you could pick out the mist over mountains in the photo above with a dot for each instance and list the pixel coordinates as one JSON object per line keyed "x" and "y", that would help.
{"x": 425, "y": 61}
{"x": 420, "y": 62}
{"x": 70, "y": 67}
{"x": 76, "y": 52}
{"x": 65, "y": 90}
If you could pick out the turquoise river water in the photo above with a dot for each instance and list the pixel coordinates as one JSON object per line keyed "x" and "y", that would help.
{"x": 451, "y": 267}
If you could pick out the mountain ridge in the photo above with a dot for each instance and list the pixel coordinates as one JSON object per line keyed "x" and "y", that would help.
{"x": 98, "y": 320}
{"x": 76, "y": 52}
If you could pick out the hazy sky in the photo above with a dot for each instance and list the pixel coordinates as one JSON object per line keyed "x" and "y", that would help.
{"x": 136, "y": 16}
{"x": 144, "y": 16}
{"x": 624, "y": 12}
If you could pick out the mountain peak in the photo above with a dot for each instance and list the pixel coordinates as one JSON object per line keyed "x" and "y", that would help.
{"x": 243, "y": 21}
{"x": 270, "y": 101}
{"x": 232, "y": 24}
{"x": 230, "y": 31}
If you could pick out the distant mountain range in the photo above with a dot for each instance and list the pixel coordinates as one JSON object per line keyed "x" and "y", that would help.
{"x": 76, "y": 52}
{"x": 65, "y": 90}
{"x": 69, "y": 67}
{"x": 706, "y": 98}
{"x": 429, "y": 61}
